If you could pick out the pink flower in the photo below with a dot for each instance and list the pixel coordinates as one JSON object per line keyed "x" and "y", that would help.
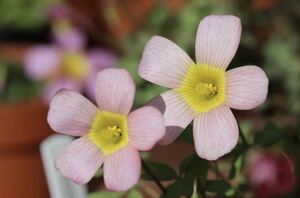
{"x": 271, "y": 174}
{"x": 66, "y": 64}
{"x": 204, "y": 91}
{"x": 110, "y": 135}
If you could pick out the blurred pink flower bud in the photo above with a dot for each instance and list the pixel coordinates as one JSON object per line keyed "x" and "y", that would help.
{"x": 271, "y": 174}
{"x": 59, "y": 11}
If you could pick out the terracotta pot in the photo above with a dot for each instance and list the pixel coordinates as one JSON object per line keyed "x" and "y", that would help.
{"x": 22, "y": 126}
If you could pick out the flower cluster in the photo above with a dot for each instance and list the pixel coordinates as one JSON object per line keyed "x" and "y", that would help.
{"x": 66, "y": 63}
{"x": 203, "y": 91}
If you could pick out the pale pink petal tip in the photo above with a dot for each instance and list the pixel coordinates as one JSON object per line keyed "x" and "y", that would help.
{"x": 101, "y": 59}
{"x": 215, "y": 133}
{"x": 164, "y": 63}
{"x": 52, "y": 88}
{"x": 247, "y": 87}
{"x": 41, "y": 62}
{"x": 70, "y": 113}
{"x": 122, "y": 170}
{"x": 146, "y": 127}
{"x": 79, "y": 161}
{"x": 70, "y": 38}
{"x": 217, "y": 40}
{"x": 115, "y": 90}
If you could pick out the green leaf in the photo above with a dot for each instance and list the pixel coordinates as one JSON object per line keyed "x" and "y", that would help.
{"x": 172, "y": 191}
{"x": 161, "y": 171}
{"x": 187, "y": 163}
{"x": 219, "y": 187}
{"x": 134, "y": 194}
{"x": 195, "y": 167}
{"x": 181, "y": 187}
{"x": 271, "y": 134}
{"x": 239, "y": 149}
{"x": 105, "y": 194}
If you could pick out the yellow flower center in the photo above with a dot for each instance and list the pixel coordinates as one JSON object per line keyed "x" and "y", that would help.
{"x": 203, "y": 87}
{"x": 109, "y": 132}
{"x": 75, "y": 65}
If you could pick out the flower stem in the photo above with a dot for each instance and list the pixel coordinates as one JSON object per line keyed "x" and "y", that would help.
{"x": 217, "y": 170}
{"x": 243, "y": 137}
{"x": 152, "y": 175}
{"x": 200, "y": 189}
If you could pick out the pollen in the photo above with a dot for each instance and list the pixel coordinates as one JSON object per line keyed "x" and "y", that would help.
{"x": 203, "y": 87}
{"x": 109, "y": 132}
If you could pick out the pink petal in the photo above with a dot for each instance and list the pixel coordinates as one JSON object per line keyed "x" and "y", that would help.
{"x": 90, "y": 86}
{"x": 101, "y": 59}
{"x": 70, "y": 38}
{"x": 52, "y": 87}
{"x": 42, "y": 61}
{"x": 70, "y": 113}
{"x": 217, "y": 40}
{"x": 115, "y": 90}
{"x": 247, "y": 87}
{"x": 164, "y": 63}
{"x": 146, "y": 127}
{"x": 79, "y": 161}
{"x": 122, "y": 169}
{"x": 176, "y": 112}
{"x": 98, "y": 59}
{"x": 215, "y": 133}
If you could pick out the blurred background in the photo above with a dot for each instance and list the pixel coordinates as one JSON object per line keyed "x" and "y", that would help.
{"x": 46, "y": 45}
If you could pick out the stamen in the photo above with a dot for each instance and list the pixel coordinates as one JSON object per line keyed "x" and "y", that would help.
{"x": 116, "y": 131}
{"x": 206, "y": 89}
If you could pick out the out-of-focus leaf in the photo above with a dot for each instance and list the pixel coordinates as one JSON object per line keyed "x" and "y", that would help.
{"x": 187, "y": 163}
{"x": 147, "y": 92}
{"x": 105, "y": 194}
{"x": 159, "y": 17}
{"x": 134, "y": 194}
{"x": 271, "y": 134}
{"x": 172, "y": 191}
{"x": 99, "y": 173}
{"x": 17, "y": 86}
{"x": 236, "y": 167}
{"x": 282, "y": 63}
{"x": 246, "y": 128}
{"x": 239, "y": 149}
{"x": 181, "y": 187}
{"x": 230, "y": 193}
{"x": 145, "y": 155}
{"x": 219, "y": 187}
{"x": 162, "y": 172}
{"x": 194, "y": 167}
{"x": 13, "y": 12}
